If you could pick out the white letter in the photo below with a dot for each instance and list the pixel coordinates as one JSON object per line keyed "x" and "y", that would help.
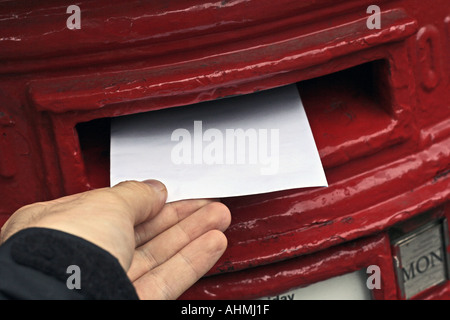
{"x": 74, "y": 281}
{"x": 273, "y": 161}
{"x": 198, "y": 142}
{"x": 374, "y": 281}
{"x": 266, "y": 308}
{"x": 229, "y": 146}
{"x": 228, "y": 309}
{"x": 213, "y": 153}
{"x": 74, "y": 21}
{"x": 181, "y": 153}
{"x": 374, "y": 21}
{"x": 241, "y": 149}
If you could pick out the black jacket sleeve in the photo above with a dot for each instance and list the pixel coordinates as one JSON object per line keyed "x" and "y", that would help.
{"x": 34, "y": 264}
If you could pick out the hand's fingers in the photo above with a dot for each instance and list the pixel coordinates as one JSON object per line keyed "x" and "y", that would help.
{"x": 212, "y": 216}
{"x": 171, "y": 214}
{"x": 189, "y": 265}
{"x": 143, "y": 199}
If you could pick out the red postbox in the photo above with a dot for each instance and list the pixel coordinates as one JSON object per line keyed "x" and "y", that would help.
{"x": 376, "y": 96}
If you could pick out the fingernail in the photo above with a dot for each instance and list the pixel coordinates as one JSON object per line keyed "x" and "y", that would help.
{"x": 158, "y": 186}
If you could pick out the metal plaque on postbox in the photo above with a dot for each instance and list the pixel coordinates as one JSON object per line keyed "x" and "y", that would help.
{"x": 420, "y": 258}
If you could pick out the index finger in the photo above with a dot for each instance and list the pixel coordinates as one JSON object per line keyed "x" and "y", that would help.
{"x": 171, "y": 214}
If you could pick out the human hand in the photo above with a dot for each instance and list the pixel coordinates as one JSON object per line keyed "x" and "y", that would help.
{"x": 164, "y": 248}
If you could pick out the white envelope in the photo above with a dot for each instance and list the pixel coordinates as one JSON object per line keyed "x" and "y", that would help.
{"x": 243, "y": 145}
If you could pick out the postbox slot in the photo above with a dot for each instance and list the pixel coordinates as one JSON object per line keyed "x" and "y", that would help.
{"x": 349, "y": 112}
{"x": 94, "y": 138}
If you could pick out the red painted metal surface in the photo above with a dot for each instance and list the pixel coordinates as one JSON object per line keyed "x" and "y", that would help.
{"x": 377, "y": 101}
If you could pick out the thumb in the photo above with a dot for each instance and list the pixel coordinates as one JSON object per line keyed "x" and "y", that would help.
{"x": 144, "y": 199}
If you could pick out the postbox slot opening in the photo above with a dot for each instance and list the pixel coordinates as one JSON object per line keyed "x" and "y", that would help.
{"x": 350, "y": 112}
{"x": 368, "y": 83}
{"x": 94, "y": 138}
{"x": 345, "y": 109}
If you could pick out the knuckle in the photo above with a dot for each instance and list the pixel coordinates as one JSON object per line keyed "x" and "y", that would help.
{"x": 136, "y": 187}
{"x": 129, "y": 184}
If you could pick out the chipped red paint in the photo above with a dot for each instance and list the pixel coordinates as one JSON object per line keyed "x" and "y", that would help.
{"x": 377, "y": 102}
